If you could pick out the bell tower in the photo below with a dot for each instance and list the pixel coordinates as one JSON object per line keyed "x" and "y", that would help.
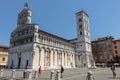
{"x": 83, "y": 45}
{"x": 24, "y": 17}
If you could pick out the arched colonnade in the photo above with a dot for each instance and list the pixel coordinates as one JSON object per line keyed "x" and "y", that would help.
{"x": 52, "y": 58}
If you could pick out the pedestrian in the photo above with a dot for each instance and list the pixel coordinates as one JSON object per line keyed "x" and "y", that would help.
{"x": 61, "y": 71}
{"x": 90, "y": 76}
{"x": 113, "y": 71}
{"x": 39, "y": 72}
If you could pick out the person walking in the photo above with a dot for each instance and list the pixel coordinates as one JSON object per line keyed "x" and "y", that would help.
{"x": 39, "y": 72}
{"x": 90, "y": 76}
{"x": 61, "y": 71}
{"x": 113, "y": 71}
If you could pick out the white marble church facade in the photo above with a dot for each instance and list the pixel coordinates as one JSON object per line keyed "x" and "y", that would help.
{"x": 31, "y": 47}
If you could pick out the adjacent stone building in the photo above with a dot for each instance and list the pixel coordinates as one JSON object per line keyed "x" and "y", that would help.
{"x": 116, "y": 47}
{"x": 103, "y": 49}
{"x": 3, "y": 56}
{"x": 31, "y": 47}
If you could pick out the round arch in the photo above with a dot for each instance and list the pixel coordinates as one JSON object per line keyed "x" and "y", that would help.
{"x": 36, "y": 56}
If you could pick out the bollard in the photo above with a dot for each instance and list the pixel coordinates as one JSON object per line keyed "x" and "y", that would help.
{"x": 58, "y": 75}
{"x": 90, "y": 76}
{"x": 25, "y": 74}
{"x": 13, "y": 73}
{"x": 29, "y": 74}
{"x": 1, "y": 73}
{"x": 36, "y": 75}
{"x": 52, "y": 76}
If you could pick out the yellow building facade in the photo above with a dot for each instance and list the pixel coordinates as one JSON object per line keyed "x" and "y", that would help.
{"x": 3, "y": 56}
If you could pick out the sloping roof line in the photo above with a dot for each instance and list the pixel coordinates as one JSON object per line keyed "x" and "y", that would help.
{"x": 53, "y": 36}
{"x": 2, "y": 46}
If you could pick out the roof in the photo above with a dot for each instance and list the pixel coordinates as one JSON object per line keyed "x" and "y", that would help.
{"x": 117, "y": 40}
{"x": 53, "y": 36}
{"x": 82, "y": 11}
{"x": 73, "y": 39}
{"x": 2, "y": 46}
{"x": 103, "y": 39}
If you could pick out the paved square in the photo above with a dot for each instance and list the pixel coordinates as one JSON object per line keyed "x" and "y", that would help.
{"x": 99, "y": 74}
{"x": 71, "y": 74}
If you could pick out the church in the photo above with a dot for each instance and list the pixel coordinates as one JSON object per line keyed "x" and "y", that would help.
{"x": 31, "y": 47}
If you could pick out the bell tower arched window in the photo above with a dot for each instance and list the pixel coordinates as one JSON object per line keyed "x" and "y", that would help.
{"x": 80, "y": 20}
{"x": 80, "y": 26}
{"x": 80, "y": 32}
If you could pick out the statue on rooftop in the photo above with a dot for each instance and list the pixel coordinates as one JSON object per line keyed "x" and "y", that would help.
{"x": 26, "y": 5}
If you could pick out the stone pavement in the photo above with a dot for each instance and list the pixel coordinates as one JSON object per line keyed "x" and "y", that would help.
{"x": 81, "y": 73}
{"x": 99, "y": 74}
{"x": 76, "y": 74}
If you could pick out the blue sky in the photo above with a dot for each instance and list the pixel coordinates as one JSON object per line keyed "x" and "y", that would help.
{"x": 58, "y": 17}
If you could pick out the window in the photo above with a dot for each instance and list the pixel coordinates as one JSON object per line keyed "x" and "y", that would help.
{"x": 109, "y": 46}
{"x": 114, "y": 42}
{"x": 87, "y": 33}
{"x": 80, "y": 20}
{"x": 87, "y": 27}
{"x": 115, "y": 51}
{"x": 80, "y": 26}
{"x": 3, "y": 59}
{"x": 115, "y": 47}
{"x": 77, "y": 45}
{"x": 80, "y": 33}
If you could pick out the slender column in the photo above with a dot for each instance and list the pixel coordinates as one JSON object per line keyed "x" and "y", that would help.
{"x": 51, "y": 58}
{"x": 68, "y": 59}
{"x": 55, "y": 58}
{"x": 74, "y": 60}
{"x": 62, "y": 58}
{"x": 58, "y": 58}
{"x": 42, "y": 58}
{"x": 71, "y": 60}
{"x": 65, "y": 59}
{"x": 45, "y": 58}
{"x": 39, "y": 58}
